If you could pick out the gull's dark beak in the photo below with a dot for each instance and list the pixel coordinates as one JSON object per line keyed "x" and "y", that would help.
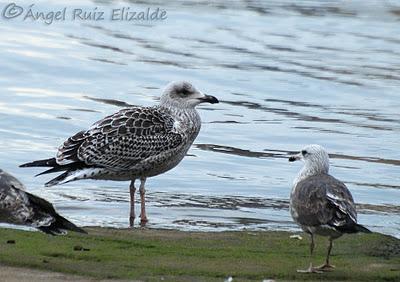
{"x": 294, "y": 158}
{"x": 209, "y": 99}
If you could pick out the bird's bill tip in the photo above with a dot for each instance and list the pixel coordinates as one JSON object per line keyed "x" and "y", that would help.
{"x": 294, "y": 158}
{"x": 209, "y": 99}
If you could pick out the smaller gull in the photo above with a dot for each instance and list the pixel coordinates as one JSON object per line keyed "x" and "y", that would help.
{"x": 132, "y": 144}
{"x": 320, "y": 204}
{"x": 23, "y": 208}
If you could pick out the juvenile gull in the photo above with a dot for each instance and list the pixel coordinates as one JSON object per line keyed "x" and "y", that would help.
{"x": 134, "y": 143}
{"x": 22, "y": 208}
{"x": 320, "y": 204}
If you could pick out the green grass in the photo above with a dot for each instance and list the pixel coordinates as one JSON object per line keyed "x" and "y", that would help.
{"x": 181, "y": 256}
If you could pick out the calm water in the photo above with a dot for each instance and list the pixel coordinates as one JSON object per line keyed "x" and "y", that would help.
{"x": 288, "y": 73}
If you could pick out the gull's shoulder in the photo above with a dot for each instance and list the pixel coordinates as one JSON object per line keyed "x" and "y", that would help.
{"x": 7, "y": 181}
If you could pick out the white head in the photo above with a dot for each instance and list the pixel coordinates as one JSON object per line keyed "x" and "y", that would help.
{"x": 315, "y": 158}
{"x": 182, "y": 94}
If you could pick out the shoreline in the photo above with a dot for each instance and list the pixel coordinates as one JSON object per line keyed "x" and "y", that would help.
{"x": 170, "y": 255}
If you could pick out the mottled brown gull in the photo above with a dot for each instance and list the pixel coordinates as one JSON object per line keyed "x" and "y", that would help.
{"x": 23, "y": 208}
{"x": 134, "y": 143}
{"x": 320, "y": 204}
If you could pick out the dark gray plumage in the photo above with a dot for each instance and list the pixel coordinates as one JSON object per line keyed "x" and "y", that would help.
{"x": 133, "y": 143}
{"x": 320, "y": 203}
{"x": 22, "y": 208}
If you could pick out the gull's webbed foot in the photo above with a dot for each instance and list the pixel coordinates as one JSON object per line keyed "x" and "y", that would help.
{"x": 131, "y": 221}
{"x": 143, "y": 221}
{"x": 326, "y": 267}
{"x": 310, "y": 269}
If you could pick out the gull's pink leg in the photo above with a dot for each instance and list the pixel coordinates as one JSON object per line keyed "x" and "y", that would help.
{"x": 142, "y": 190}
{"x": 132, "y": 190}
{"x": 311, "y": 269}
{"x": 327, "y": 266}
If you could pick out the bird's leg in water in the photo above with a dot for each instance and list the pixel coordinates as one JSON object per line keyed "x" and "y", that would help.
{"x": 132, "y": 190}
{"x": 142, "y": 190}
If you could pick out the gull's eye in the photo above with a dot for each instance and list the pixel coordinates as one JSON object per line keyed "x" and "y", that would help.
{"x": 185, "y": 92}
{"x": 304, "y": 152}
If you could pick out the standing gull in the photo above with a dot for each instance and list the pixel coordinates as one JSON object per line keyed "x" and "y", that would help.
{"x": 22, "y": 208}
{"x": 320, "y": 203}
{"x": 134, "y": 143}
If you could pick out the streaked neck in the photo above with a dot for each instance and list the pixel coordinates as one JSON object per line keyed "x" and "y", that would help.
{"x": 186, "y": 119}
{"x": 310, "y": 170}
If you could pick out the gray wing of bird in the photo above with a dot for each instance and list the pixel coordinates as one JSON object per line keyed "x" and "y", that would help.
{"x": 23, "y": 208}
{"x": 15, "y": 207}
{"x": 120, "y": 141}
{"x": 324, "y": 200}
{"x": 7, "y": 179}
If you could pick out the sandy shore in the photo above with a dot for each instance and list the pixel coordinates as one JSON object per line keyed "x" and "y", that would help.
{"x": 20, "y": 274}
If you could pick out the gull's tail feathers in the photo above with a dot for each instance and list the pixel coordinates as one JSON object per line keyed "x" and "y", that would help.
{"x": 72, "y": 175}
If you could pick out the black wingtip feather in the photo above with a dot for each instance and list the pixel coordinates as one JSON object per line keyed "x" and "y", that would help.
{"x": 57, "y": 179}
{"x": 40, "y": 163}
{"x": 51, "y": 170}
{"x": 363, "y": 229}
{"x": 61, "y": 228}
{"x": 60, "y": 225}
{"x": 50, "y": 231}
{"x": 353, "y": 228}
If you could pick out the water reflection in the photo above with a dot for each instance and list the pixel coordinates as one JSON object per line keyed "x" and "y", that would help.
{"x": 112, "y": 102}
{"x": 284, "y": 154}
{"x": 300, "y": 116}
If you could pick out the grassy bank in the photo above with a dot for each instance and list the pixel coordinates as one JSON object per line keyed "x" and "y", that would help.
{"x": 182, "y": 256}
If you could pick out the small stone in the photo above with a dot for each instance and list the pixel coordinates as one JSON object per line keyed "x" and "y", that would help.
{"x": 78, "y": 248}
